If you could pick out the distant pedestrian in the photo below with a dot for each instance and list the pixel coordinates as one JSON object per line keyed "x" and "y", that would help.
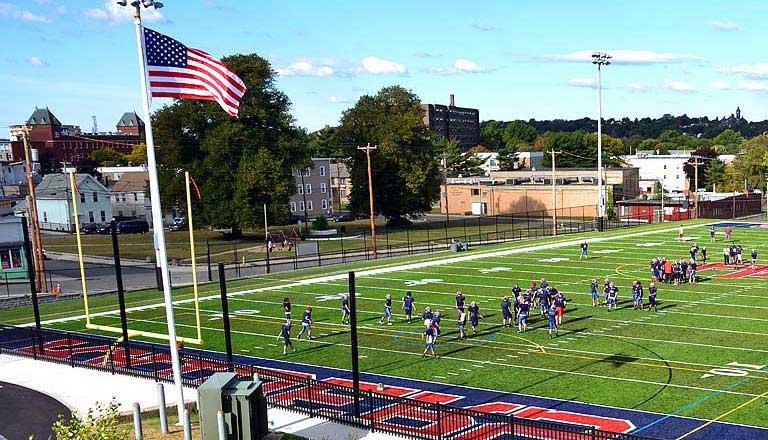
{"x": 306, "y": 323}
{"x": 584, "y": 250}
{"x": 285, "y": 333}
{"x": 345, "y": 312}
{"x": 429, "y": 342}
{"x": 753, "y": 258}
{"x": 712, "y": 233}
{"x": 387, "y": 310}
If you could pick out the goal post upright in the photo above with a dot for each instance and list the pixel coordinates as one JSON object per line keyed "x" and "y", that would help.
{"x": 191, "y": 229}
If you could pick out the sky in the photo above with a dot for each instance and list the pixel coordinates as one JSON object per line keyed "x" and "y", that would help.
{"x": 510, "y": 59}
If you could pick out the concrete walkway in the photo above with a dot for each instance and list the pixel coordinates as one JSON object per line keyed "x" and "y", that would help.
{"x": 80, "y": 389}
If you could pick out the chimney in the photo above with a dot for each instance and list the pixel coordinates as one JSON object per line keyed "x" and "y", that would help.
{"x": 452, "y": 104}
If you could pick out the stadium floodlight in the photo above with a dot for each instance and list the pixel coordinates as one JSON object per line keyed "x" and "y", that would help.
{"x": 600, "y": 59}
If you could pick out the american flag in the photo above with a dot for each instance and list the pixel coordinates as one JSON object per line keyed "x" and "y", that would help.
{"x": 178, "y": 71}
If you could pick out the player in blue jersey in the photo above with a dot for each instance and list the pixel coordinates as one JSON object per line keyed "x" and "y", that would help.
{"x": 306, "y": 323}
{"x": 436, "y": 320}
{"x": 613, "y": 293}
{"x": 637, "y": 295}
{"x": 429, "y": 342}
{"x": 559, "y": 303}
{"x": 474, "y": 315}
{"x": 544, "y": 300}
{"x": 552, "y": 321}
{"x": 427, "y": 316}
{"x": 285, "y": 333}
{"x": 345, "y": 309}
{"x": 287, "y": 308}
{"x": 692, "y": 270}
{"x": 522, "y": 316}
{"x": 387, "y": 310}
{"x": 652, "y": 297}
{"x": 704, "y": 254}
{"x": 606, "y": 290}
{"x": 712, "y": 233}
{"x": 460, "y": 299}
{"x": 516, "y": 292}
{"x": 584, "y": 250}
{"x": 753, "y": 259}
{"x": 506, "y": 312}
{"x": 593, "y": 291}
{"x": 461, "y": 323}
{"x": 408, "y": 304}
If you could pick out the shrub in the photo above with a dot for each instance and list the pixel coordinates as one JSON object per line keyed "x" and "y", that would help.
{"x": 101, "y": 423}
{"x": 320, "y": 223}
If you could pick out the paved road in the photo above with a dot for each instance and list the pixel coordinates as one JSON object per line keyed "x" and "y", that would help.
{"x": 25, "y": 412}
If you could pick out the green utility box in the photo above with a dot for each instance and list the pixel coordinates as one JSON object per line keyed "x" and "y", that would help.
{"x": 242, "y": 402}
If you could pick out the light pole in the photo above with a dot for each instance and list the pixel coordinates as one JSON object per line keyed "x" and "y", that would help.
{"x": 368, "y": 148}
{"x": 600, "y": 59}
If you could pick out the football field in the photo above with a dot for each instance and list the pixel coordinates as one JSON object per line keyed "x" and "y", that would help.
{"x": 703, "y": 354}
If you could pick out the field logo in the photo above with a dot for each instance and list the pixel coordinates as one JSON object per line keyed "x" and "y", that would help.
{"x": 422, "y": 282}
{"x": 554, "y": 260}
{"x": 608, "y": 251}
{"x": 651, "y": 244}
{"x": 243, "y": 312}
{"x": 331, "y": 297}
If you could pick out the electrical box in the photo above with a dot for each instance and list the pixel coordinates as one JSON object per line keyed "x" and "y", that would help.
{"x": 242, "y": 402}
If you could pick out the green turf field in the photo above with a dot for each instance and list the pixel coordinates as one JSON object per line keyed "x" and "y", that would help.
{"x": 703, "y": 354}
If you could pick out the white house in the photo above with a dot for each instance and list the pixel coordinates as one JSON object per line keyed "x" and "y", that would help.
{"x": 489, "y": 162}
{"x": 665, "y": 168}
{"x": 128, "y": 198}
{"x": 110, "y": 175}
{"x": 54, "y": 202}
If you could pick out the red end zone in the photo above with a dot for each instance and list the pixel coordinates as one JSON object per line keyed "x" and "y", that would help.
{"x": 738, "y": 270}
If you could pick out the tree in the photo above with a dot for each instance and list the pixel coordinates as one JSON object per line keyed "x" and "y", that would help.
{"x": 138, "y": 155}
{"x": 325, "y": 143}
{"x": 707, "y": 157}
{"x": 750, "y": 165}
{"x": 491, "y": 134}
{"x": 729, "y": 141}
{"x": 507, "y": 158}
{"x": 459, "y": 163}
{"x": 107, "y": 157}
{"x": 406, "y": 178}
{"x": 238, "y": 163}
{"x": 101, "y": 423}
{"x": 518, "y": 133}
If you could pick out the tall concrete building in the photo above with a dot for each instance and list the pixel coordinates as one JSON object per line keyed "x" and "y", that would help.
{"x": 460, "y": 124}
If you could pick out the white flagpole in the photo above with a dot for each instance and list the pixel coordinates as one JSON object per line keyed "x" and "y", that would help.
{"x": 157, "y": 215}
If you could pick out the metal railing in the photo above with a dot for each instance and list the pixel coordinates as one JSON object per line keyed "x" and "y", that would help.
{"x": 296, "y": 392}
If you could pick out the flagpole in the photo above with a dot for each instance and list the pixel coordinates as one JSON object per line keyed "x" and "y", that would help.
{"x": 157, "y": 215}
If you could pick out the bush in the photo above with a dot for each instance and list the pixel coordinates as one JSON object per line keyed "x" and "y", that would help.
{"x": 320, "y": 223}
{"x": 101, "y": 423}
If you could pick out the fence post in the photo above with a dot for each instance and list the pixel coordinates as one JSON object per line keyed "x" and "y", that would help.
{"x": 445, "y": 224}
{"x": 69, "y": 343}
{"x": 465, "y": 229}
{"x": 154, "y": 362}
{"x": 438, "y": 406}
{"x": 512, "y": 426}
{"x": 309, "y": 397}
{"x": 479, "y": 230}
{"x": 496, "y": 217}
{"x": 319, "y": 257}
{"x": 208, "y": 259}
{"x": 365, "y": 246}
{"x": 371, "y": 406}
{"x": 408, "y": 240}
{"x": 341, "y": 239}
{"x": 138, "y": 434}
{"x": 386, "y": 237}
{"x": 161, "y": 409}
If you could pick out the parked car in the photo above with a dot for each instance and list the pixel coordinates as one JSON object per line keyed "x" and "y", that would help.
{"x": 179, "y": 224}
{"x": 398, "y": 222}
{"x": 89, "y": 228}
{"x": 132, "y": 227}
{"x": 344, "y": 217}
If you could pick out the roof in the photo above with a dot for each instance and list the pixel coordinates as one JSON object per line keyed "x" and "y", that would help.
{"x": 130, "y": 119}
{"x": 56, "y": 186}
{"x": 43, "y": 116}
{"x": 131, "y": 182}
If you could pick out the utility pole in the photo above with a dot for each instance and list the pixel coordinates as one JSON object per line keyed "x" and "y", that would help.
{"x": 304, "y": 194}
{"x": 368, "y": 148}
{"x": 554, "y": 194}
{"x": 696, "y": 164}
{"x": 445, "y": 175}
{"x": 600, "y": 59}
{"x": 37, "y": 246}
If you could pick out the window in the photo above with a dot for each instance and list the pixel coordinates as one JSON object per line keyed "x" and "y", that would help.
{"x": 45, "y": 217}
{"x": 82, "y": 197}
{"x": 301, "y": 206}
{"x": 665, "y": 167}
{"x": 307, "y": 172}
{"x": 135, "y": 197}
{"x": 119, "y": 213}
{"x": 309, "y": 205}
{"x": 475, "y": 192}
{"x": 343, "y": 193}
{"x": 322, "y": 171}
{"x": 309, "y": 188}
{"x": 322, "y": 188}
{"x": 293, "y": 206}
{"x": 133, "y": 213}
{"x": 11, "y": 258}
{"x": 95, "y": 197}
{"x": 300, "y": 188}
{"x": 90, "y": 216}
{"x": 103, "y": 216}
{"x": 324, "y": 204}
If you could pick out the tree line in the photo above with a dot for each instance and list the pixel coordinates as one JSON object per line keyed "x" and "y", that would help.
{"x": 241, "y": 163}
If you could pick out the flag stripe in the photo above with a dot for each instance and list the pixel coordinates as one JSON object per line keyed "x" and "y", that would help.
{"x": 178, "y": 71}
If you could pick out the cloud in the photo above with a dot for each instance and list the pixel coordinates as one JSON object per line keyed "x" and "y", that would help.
{"x": 482, "y": 26}
{"x": 460, "y": 66}
{"x": 679, "y": 86}
{"x": 719, "y": 85}
{"x": 627, "y": 57}
{"x": 304, "y": 68}
{"x": 582, "y": 82}
{"x": 336, "y": 100}
{"x": 37, "y": 62}
{"x": 758, "y": 70}
{"x": 725, "y": 26}
{"x": 637, "y": 87}
{"x": 753, "y": 86}
{"x": 9, "y": 10}
{"x": 379, "y": 66}
{"x": 113, "y": 13}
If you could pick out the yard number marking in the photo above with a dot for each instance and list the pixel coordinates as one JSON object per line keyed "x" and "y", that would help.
{"x": 494, "y": 269}
{"x": 333, "y": 297}
{"x": 554, "y": 260}
{"x": 244, "y": 312}
{"x": 733, "y": 369}
{"x": 608, "y": 251}
{"x": 652, "y": 244}
{"x": 423, "y": 282}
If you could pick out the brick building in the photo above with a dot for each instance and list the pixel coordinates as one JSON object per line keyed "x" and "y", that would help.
{"x": 458, "y": 124}
{"x": 57, "y": 143}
